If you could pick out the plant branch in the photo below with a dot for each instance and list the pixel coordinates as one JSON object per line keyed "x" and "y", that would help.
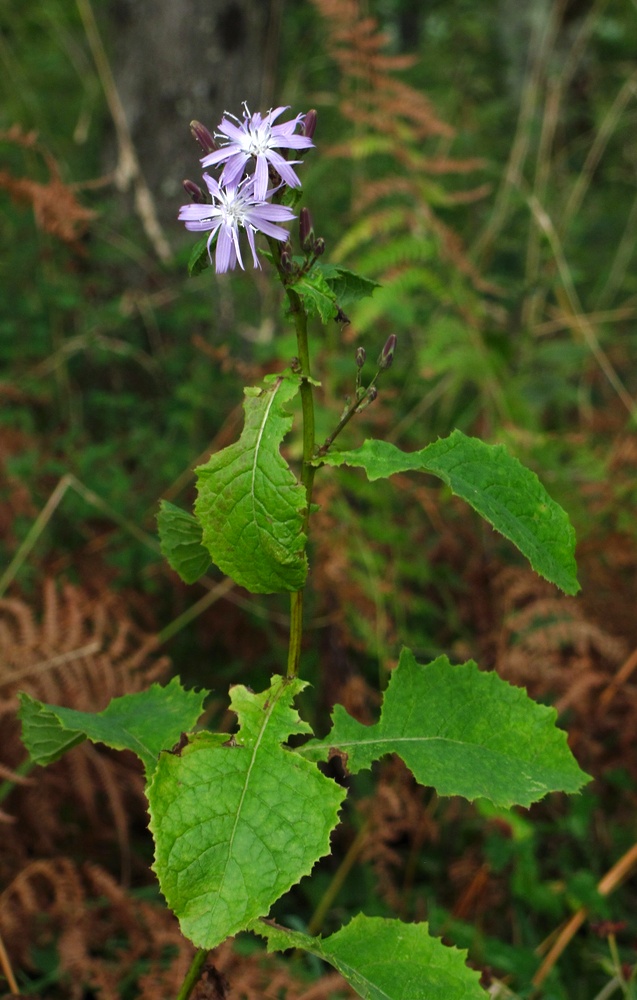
{"x": 193, "y": 975}
{"x": 308, "y": 470}
{"x": 5, "y": 965}
{"x": 345, "y": 419}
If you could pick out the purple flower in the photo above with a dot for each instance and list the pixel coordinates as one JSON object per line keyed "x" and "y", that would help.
{"x": 258, "y": 137}
{"x": 233, "y": 207}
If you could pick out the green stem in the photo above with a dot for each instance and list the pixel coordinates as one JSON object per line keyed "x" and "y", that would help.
{"x": 296, "y": 633}
{"x": 21, "y": 771}
{"x": 308, "y": 470}
{"x": 193, "y": 975}
{"x": 316, "y": 923}
{"x": 362, "y": 399}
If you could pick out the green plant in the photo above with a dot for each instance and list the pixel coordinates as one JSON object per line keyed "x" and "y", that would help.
{"x": 238, "y": 820}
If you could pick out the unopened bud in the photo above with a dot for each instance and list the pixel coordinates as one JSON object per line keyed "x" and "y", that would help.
{"x": 309, "y": 124}
{"x": 194, "y": 192}
{"x": 286, "y": 261}
{"x": 319, "y": 246}
{"x": 201, "y": 135}
{"x": 361, "y": 354}
{"x": 306, "y": 229}
{"x": 368, "y": 398}
{"x": 386, "y": 356}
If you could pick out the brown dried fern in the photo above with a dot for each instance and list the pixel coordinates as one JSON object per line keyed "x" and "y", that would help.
{"x": 55, "y": 205}
{"x": 104, "y": 937}
{"x": 100, "y": 933}
{"x": 546, "y": 642}
{"x": 399, "y": 825}
{"x": 387, "y": 112}
{"x": 82, "y": 651}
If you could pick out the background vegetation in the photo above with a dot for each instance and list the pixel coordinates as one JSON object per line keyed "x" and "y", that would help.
{"x": 480, "y": 161}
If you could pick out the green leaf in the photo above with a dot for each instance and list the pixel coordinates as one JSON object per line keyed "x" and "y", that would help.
{"x": 318, "y": 297}
{"x": 180, "y": 538}
{"x": 146, "y": 723}
{"x": 237, "y": 824}
{"x": 508, "y": 495}
{"x": 199, "y": 258}
{"x": 461, "y": 730}
{"x": 250, "y": 504}
{"x": 386, "y": 959}
{"x": 348, "y": 287}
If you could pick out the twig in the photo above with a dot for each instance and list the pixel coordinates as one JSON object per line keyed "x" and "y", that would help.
{"x": 6, "y": 968}
{"x": 611, "y": 880}
{"x": 584, "y": 326}
{"x": 542, "y": 41}
{"x": 622, "y": 675}
{"x": 69, "y": 481}
{"x": 128, "y": 169}
{"x": 336, "y": 884}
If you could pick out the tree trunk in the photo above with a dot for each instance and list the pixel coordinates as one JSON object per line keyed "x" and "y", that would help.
{"x": 175, "y": 60}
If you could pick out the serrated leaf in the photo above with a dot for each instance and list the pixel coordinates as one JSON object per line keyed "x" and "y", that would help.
{"x": 199, "y": 258}
{"x": 348, "y": 287}
{"x": 318, "y": 297}
{"x": 386, "y": 959}
{"x": 508, "y": 495}
{"x": 236, "y": 825}
{"x": 146, "y": 723}
{"x": 250, "y": 504}
{"x": 462, "y": 731}
{"x": 180, "y": 541}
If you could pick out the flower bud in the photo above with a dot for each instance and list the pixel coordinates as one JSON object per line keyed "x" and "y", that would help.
{"x": 309, "y": 124}
{"x": 201, "y": 135}
{"x": 306, "y": 229}
{"x": 361, "y": 354}
{"x": 286, "y": 262}
{"x": 194, "y": 192}
{"x": 386, "y": 356}
{"x": 368, "y": 398}
{"x": 319, "y": 246}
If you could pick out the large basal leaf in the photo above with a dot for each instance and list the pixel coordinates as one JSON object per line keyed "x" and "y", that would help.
{"x": 508, "y": 495}
{"x": 146, "y": 723}
{"x": 250, "y": 503}
{"x": 180, "y": 539}
{"x": 235, "y": 825}
{"x": 386, "y": 959}
{"x": 461, "y": 730}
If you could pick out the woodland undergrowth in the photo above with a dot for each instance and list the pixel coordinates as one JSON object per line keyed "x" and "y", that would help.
{"x": 539, "y": 353}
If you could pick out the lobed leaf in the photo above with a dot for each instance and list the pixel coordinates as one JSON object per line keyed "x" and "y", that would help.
{"x": 508, "y": 495}
{"x": 347, "y": 286}
{"x": 146, "y": 723}
{"x": 237, "y": 822}
{"x": 386, "y": 959}
{"x": 318, "y": 297}
{"x": 180, "y": 541}
{"x": 462, "y": 731}
{"x": 250, "y": 504}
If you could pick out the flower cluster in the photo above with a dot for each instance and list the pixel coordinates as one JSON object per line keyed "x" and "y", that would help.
{"x": 241, "y": 199}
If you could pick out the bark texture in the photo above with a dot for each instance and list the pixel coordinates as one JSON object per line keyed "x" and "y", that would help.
{"x": 175, "y": 60}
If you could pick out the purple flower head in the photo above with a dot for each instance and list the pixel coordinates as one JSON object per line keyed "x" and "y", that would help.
{"x": 260, "y": 138}
{"x": 231, "y": 208}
